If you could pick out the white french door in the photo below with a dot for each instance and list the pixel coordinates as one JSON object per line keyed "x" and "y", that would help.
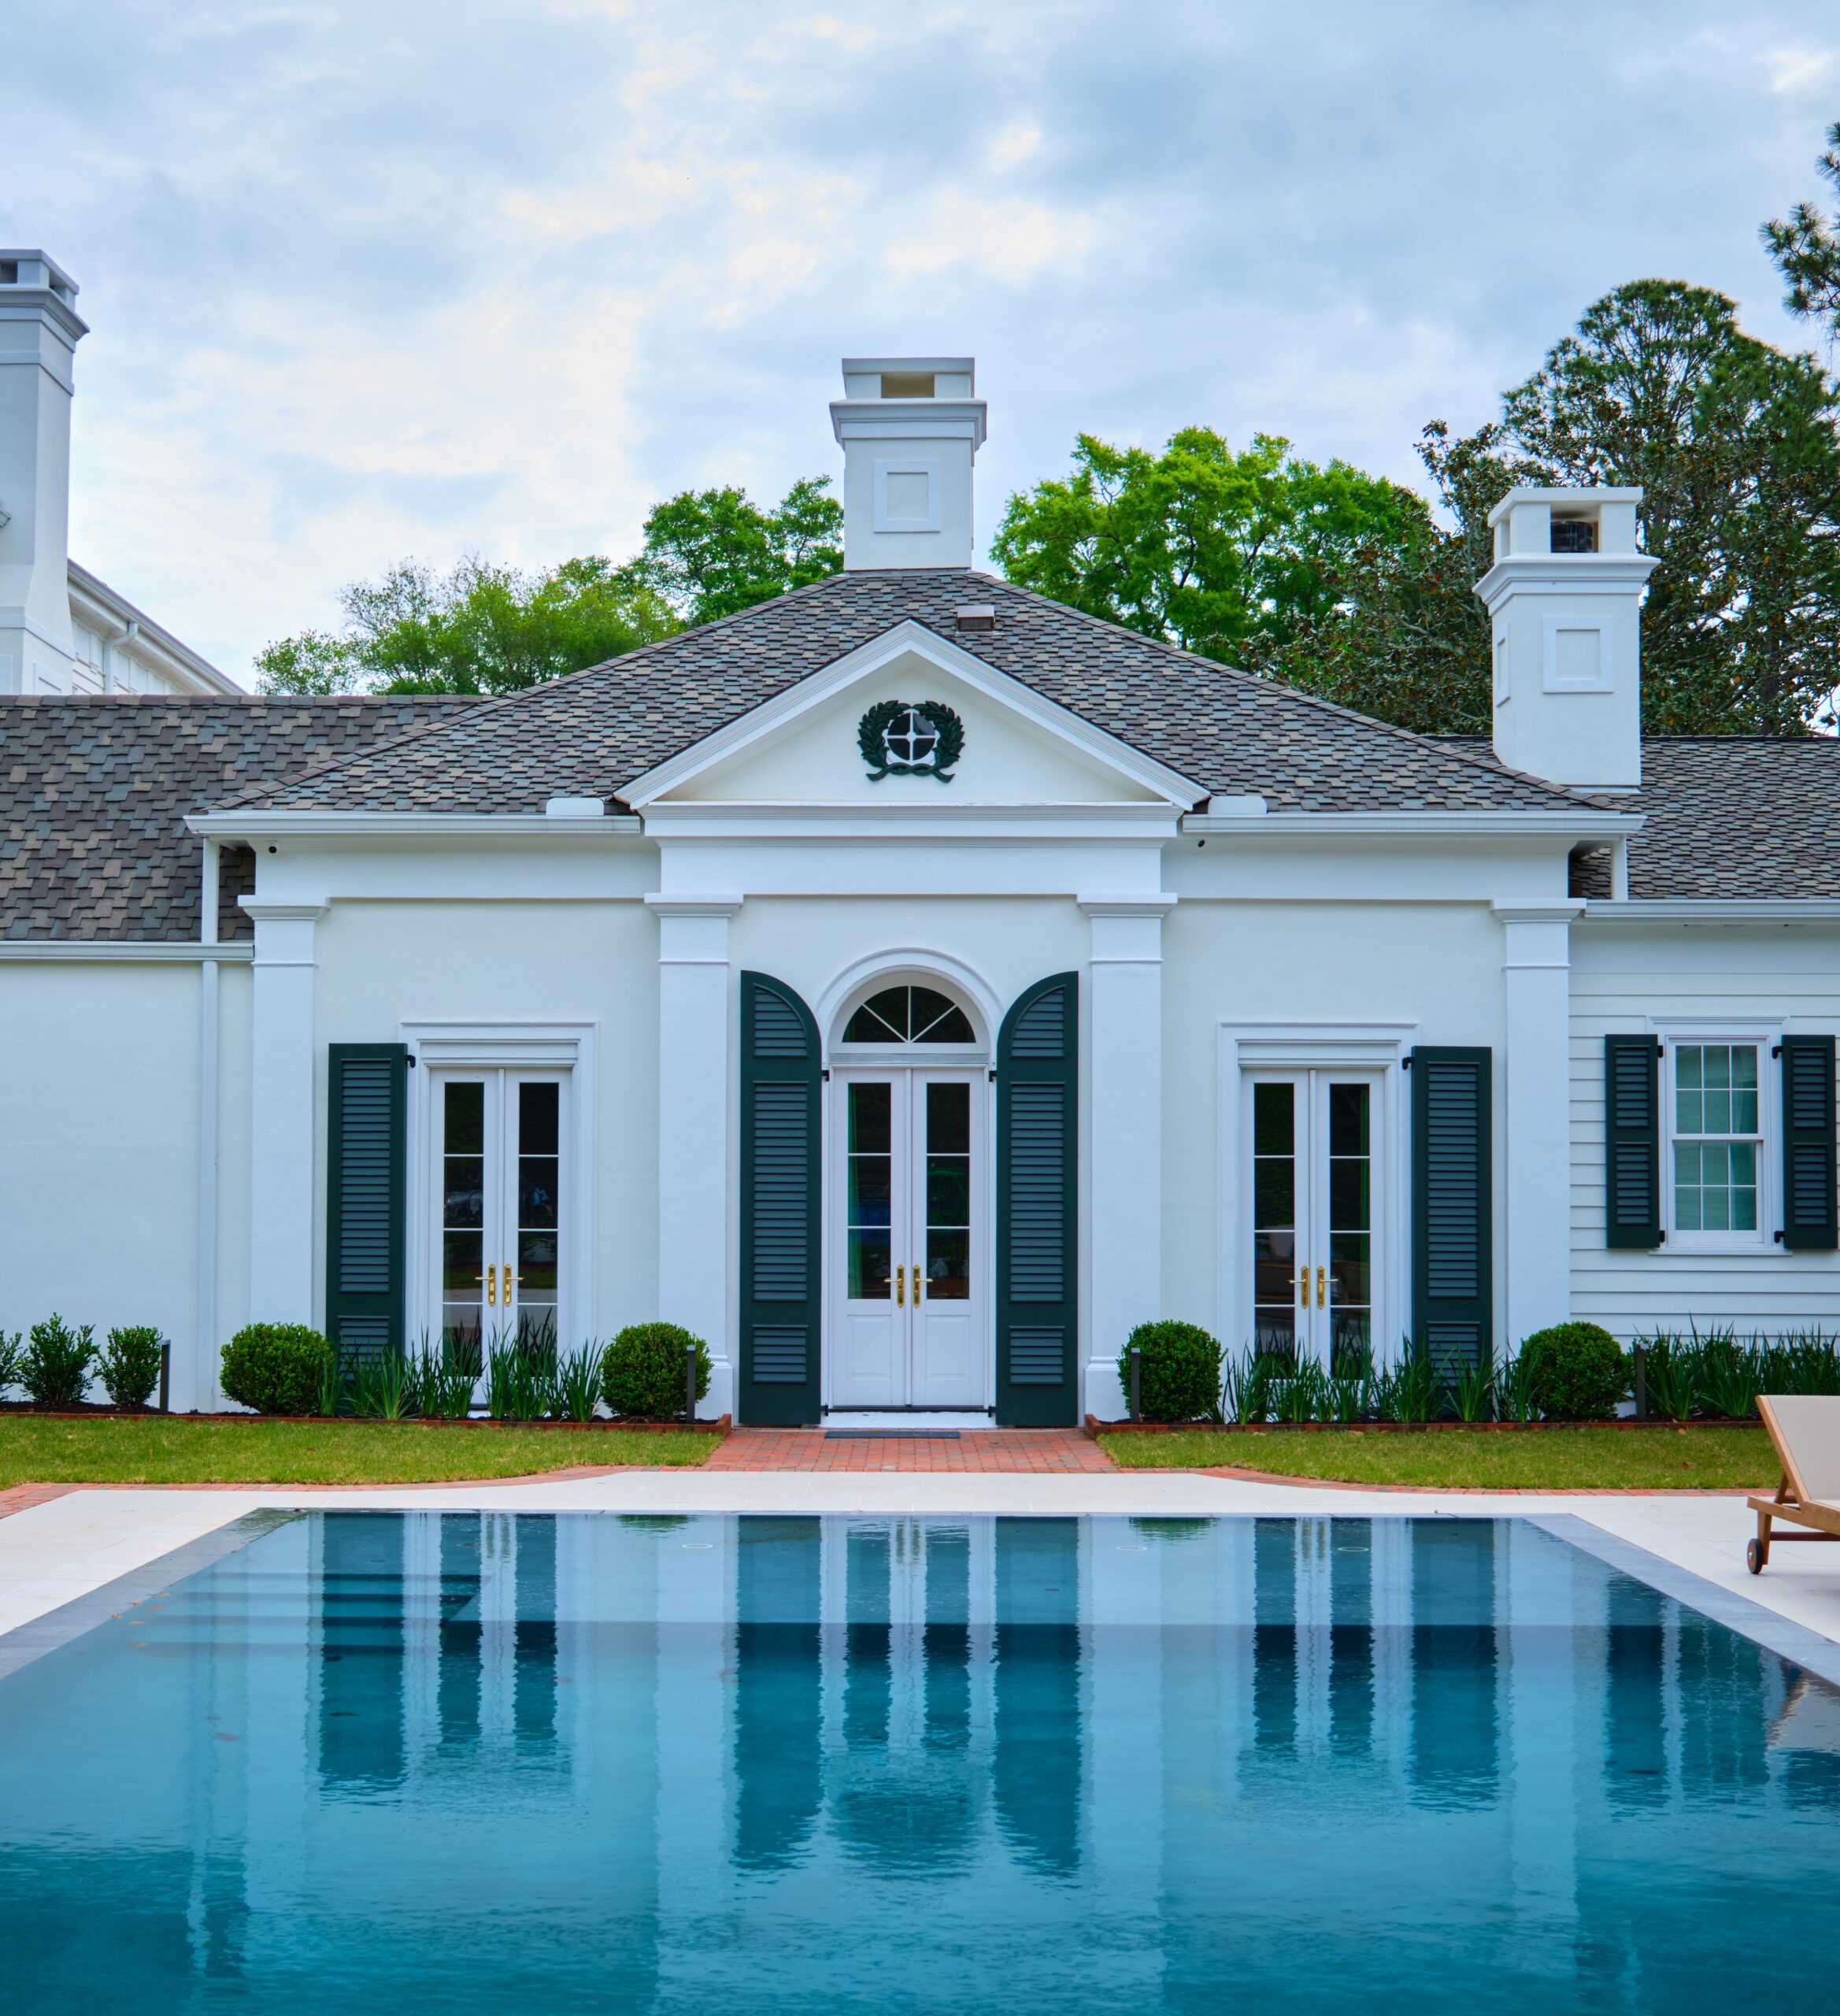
{"x": 907, "y": 1204}
{"x": 1317, "y": 1244}
{"x": 499, "y": 1156}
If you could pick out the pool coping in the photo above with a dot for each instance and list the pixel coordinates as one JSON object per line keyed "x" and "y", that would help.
{"x": 32, "y": 1640}
{"x": 1797, "y": 1642}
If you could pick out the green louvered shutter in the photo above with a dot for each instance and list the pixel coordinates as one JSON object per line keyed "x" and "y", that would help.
{"x": 1037, "y": 1206}
{"x": 781, "y": 1285}
{"x": 1810, "y": 1223}
{"x": 366, "y": 1167}
{"x": 1632, "y": 1142}
{"x": 1453, "y": 1223}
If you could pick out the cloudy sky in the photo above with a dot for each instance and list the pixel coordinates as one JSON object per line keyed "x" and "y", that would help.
{"x": 379, "y": 278}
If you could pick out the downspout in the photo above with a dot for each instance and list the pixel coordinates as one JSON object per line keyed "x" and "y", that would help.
{"x": 204, "y": 1372}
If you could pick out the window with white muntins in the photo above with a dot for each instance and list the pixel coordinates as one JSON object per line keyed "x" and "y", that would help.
{"x": 1717, "y": 1116}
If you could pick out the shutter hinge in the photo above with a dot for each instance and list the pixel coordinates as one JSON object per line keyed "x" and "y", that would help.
{"x": 412, "y": 1060}
{"x": 1778, "y": 1238}
{"x": 993, "y": 1074}
{"x": 825, "y": 1074}
{"x": 1406, "y": 1062}
{"x": 1776, "y": 1050}
{"x": 1660, "y": 1239}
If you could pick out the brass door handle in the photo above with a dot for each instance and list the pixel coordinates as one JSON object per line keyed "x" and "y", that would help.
{"x": 509, "y": 1278}
{"x": 917, "y": 1293}
{"x": 1321, "y": 1286}
{"x": 901, "y": 1286}
{"x": 1303, "y": 1289}
{"x": 492, "y": 1284}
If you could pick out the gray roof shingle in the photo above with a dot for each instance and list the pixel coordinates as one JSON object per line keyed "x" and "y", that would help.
{"x": 1730, "y": 816}
{"x": 97, "y": 788}
{"x": 592, "y": 734}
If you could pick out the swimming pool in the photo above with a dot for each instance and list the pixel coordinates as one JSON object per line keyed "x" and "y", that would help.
{"x": 581, "y": 1762}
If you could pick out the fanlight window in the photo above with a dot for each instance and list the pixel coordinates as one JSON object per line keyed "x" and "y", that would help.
{"x": 908, "y": 1014}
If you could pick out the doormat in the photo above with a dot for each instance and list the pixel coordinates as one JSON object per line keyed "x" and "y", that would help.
{"x": 890, "y": 1435}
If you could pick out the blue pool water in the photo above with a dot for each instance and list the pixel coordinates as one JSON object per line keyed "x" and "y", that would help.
{"x": 380, "y": 1763}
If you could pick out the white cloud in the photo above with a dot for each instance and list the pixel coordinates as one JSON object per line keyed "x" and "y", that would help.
{"x": 369, "y": 280}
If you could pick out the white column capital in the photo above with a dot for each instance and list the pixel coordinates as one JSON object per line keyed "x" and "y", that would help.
{"x": 1537, "y": 934}
{"x": 1150, "y": 904}
{"x": 718, "y": 906}
{"x": 265, "y": 911}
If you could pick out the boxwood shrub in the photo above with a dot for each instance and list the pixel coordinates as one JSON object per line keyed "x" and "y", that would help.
{"x": 55, "y": 1367}
{"x": 128, "y": 1365}
{"x": 1574, "y": 1372}
{"x": 641, "y": 1376}
{"x": 1180, "y": 1376}
{"x": 276, "y": 1368}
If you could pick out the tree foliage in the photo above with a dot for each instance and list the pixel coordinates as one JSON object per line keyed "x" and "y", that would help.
{"x": 479, "y": 629}
{"x": 1806, "y": 250}
{"x": 1736, "y": 446}
{"x": 489, "y": 630}
{"x": 712, "y": 552}
{"x": 1347, "y": 586}
{"x": 1199, "y": 545}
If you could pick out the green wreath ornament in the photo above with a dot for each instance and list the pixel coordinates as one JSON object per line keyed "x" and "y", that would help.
{"x": 910, "y": 739}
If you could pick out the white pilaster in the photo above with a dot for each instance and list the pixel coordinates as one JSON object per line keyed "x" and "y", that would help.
{"x": 281, "y": 1115}
{"x": 695, "y": 1221}
{"x": 1124, "y": 1151}
{"x": 1537, "y": 1124}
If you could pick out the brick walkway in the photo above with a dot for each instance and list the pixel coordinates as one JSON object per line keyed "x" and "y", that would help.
{"x": 1036, "y": 1450}
{"x": 21, "y": 1497}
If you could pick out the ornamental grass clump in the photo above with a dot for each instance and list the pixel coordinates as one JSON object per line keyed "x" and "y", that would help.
{"x": 279, "y": 1369}
{"x": 1178, "y": 1371}
{"x": 1575, "y": 1372}
{"x": 54, "y": 1368}
{"x": 642, "y": 1373}
{"x": 128, "y": 1365}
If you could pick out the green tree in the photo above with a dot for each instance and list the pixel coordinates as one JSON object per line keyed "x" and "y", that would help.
{"x": 479, "y": 629}
{"x": 712, "y": 552}
{"x": 1806, "y": 250}
{"x": 1737, "y": 448}
{"x": 1215, "y": 550}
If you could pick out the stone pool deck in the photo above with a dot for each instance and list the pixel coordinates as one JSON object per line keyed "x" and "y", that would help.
{"x": 68, "y": 1542}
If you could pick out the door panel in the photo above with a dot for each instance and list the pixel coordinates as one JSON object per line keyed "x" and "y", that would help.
{"x": 869, "y": 1369}
{"x": 498, "y": 1163}
{"x": 908, "y": 1193}
{"x": 946, "y": 1322}
{"x": 1314, "y": 1214}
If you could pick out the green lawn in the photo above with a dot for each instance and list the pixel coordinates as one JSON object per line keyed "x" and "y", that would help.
{"x": 1552, "y": 1459}
{"x": 114, "y": 1450}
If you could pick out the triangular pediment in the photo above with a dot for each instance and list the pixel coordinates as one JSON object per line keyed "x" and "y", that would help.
{"x": 807, "y": 746}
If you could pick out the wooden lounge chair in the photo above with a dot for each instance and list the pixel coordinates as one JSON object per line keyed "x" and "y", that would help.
{"x": 1805, "y": 1427}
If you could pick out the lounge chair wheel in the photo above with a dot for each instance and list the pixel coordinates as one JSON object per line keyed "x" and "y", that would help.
{"x": 1753, "y": 1557}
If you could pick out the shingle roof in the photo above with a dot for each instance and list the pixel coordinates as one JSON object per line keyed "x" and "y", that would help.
{"x": 96, "y": 788}
{"x": 592, "y": 734}
{"x": 1730, "y": 816}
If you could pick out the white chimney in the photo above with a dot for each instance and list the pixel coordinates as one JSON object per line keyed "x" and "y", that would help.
{"x": 40, "y": 332}
{"x": 1565, "y": 602}
{"x": 910, "y": 428}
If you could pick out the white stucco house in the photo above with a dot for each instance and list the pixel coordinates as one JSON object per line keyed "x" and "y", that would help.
{"x": 62, "y": 630}
{"x": 911, "y": 984}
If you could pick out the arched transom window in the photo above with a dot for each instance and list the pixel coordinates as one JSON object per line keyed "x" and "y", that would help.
{"x": 908, "y": 1014}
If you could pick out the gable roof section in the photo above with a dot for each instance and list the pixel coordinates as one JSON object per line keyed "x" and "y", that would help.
{"x": 1732, "y": 816}
{"x": 92, "y": 844}
{"x": 593, "y": 734}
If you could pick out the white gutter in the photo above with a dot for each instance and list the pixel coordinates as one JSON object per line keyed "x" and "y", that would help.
{"x": 1784, "y": 910}
{"x": 111, "y": 951}
{"x": 254, "y": 824}
{"x": 1588, "y": 822}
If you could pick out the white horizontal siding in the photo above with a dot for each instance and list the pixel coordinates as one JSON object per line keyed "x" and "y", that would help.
{"x": 1618, "y": 984}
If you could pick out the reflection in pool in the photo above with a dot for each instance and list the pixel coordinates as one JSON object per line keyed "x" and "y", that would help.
{"x": 497, "y": 1762}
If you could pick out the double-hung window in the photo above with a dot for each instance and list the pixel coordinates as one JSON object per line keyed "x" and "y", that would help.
{"x": 1715, "y": 1167}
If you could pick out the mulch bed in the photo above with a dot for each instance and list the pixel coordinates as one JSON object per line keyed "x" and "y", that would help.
{"x": 101, "y": 1411}
{"x": 1095, "y": 1428}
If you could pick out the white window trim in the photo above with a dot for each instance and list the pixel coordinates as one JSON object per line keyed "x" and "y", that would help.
{"x": 934, "y": 472}
{"x": 569, "y": 1048}
{"x": 1673, "y": 1031}
{"x": 1245, "y": 1049}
